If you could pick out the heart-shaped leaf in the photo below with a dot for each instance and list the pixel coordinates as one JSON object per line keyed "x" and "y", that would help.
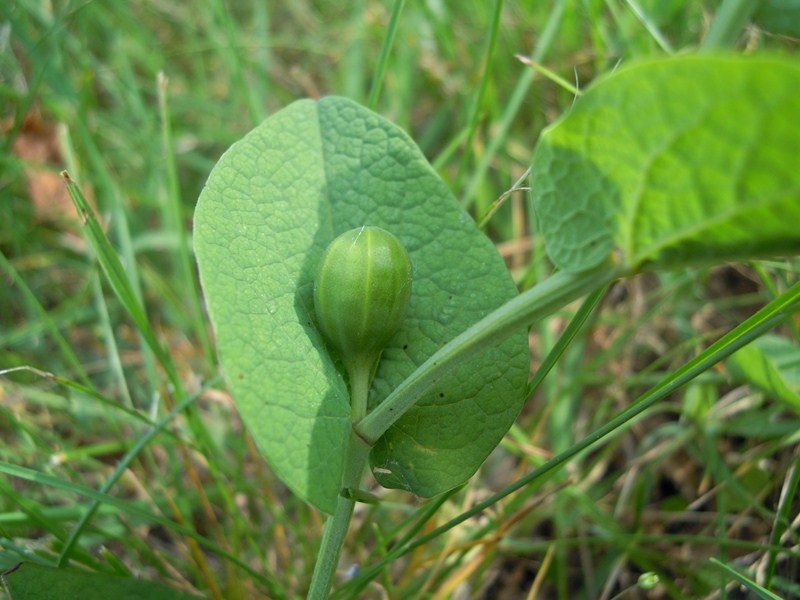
{"x": 674, "y": 161}
{"x": 271, "y": 206}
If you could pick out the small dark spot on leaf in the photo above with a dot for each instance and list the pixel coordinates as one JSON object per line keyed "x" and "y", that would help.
{"x": 241, "y": 375}
{"x": 405, "y": 346}
{"x": 441, "y": 394}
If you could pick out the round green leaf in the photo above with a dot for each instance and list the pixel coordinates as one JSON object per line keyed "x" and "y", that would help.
{"x": 674, "y": 161}
{"x": 271, "y": 206}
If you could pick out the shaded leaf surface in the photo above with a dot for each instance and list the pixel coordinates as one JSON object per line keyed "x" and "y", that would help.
{"x": 271, "y": 206}
{"x": 30, "y": 581}
{"x": 674, "y": 161}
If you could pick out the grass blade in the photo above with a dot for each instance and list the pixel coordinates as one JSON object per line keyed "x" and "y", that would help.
{"x": 184, "y": 264}
{"x": 123, "y": 464}
{"x": 383, "y": 60}
{"x": 68, "y": 354}
{"x": 136, "y": 510}
{"x": 115, "y": 273}
{"x": 751, "y": 585}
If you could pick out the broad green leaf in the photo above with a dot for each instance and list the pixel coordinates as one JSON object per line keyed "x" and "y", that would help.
{"x": 270, "y": 207}
{"x": 771, "y": 364}
{"x": 674, "y": 161}
{"x": 30, "y": 581}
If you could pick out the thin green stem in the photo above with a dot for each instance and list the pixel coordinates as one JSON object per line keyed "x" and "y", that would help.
{"x": 383, "y": 61}
{"x": 337, "y": 524}
{"x": 528, "y": 307}
{"x": 331, "y": 547}
{"x": 360, "y": 371}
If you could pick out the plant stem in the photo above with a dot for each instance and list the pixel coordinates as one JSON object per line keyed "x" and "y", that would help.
{"x": 330, "y": 549}
{"x": 360, "y": 372}
{"x": 355, "y": 460}
{"x": 533, "y": 304}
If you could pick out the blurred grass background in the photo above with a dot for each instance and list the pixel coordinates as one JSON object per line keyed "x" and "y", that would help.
{"x": 138, "y": 99}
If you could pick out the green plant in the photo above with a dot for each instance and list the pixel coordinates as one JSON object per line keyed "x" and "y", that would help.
{"x": 648, "y": 438}
{"x": 681, "y": 186}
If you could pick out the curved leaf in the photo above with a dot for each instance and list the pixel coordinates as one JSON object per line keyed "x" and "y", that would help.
{"x": 673, "y": 161}
{"x": 270, "y": 207}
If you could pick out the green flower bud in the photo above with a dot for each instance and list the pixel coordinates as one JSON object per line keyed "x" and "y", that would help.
{"x": 361, "y": 293}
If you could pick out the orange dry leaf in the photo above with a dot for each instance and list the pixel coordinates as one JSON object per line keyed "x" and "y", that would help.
{"x": 36, "y": 145}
